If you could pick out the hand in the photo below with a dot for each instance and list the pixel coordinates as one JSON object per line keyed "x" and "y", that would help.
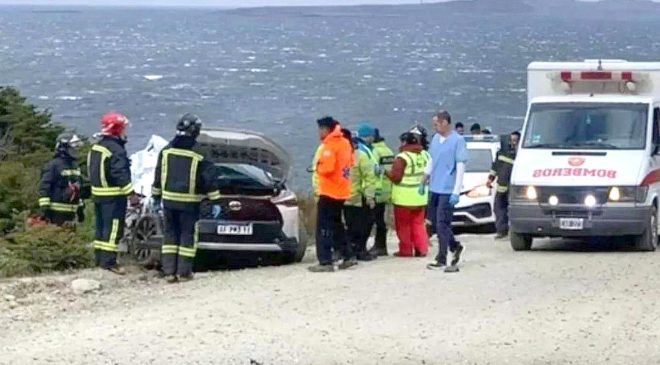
{"x": 156, "y": 202}
{"x": 421, "y": 190}
{"x": 216, "y": 210}
{"x": 489, "y": 184}
{"x": 371, "y": 203}
{"x": 453, "y": 199}
{"x": 378, "y": 170}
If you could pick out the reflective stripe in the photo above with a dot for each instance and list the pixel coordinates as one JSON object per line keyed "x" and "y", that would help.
{"x": 105, "y": 154}
{"x": 44, "y": 202}
{"x": 187, "y": 251}
{"x": 169, "y": 249}
{"x": 406, "y": 193}
{"x": 114, "y": 232}
{"x": 505, "y": 159}
{"x": 112, "y": 191}
{"x": 105, "y": 246}
{"x": 492, "y": 172}
{"x": 62, "y": 207}
{"x": 182, "y": 197}
{"x": 193, "y": 176}
{"x": 70, "y": 172}
{"x": 502, "y": 188}
{"x": 215, "y": 195}
{"x": 156, "y": 191}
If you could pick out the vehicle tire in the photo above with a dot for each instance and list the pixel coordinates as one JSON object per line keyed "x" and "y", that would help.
{"x": 648, "y": 241}
{"x": 299, "y": 254}
{"x": 145, "y": 228}
{"x": 520, "y": 242}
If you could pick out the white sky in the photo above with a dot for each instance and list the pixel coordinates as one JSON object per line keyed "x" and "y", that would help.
{"x": 227, "y": 3}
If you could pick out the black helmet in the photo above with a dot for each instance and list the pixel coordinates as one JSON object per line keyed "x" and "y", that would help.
{"x": 410, "y": 138}
{"x": 189, "y": 125}
{"x": 68, "y": 143}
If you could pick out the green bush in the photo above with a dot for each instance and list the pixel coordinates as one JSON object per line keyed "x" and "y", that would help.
{"x": 43, "y": 249}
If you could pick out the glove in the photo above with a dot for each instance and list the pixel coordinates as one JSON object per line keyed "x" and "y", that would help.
{"x": 81, "y": 214}
{"x": 216, "y": 210}
{"x": 422, "y": 189}
{"x": 378, "y": 170}
{"x": 155, "y": 203}
{"x": 453, "y": 199}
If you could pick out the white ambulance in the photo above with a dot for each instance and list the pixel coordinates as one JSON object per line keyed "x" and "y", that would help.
{"x": 588, "y": 163}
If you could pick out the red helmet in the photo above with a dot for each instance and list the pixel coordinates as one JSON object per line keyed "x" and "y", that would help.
{"x": 113, "y": 124}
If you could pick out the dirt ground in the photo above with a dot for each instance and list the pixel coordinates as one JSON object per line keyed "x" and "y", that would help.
{"x": 562, "y": 303}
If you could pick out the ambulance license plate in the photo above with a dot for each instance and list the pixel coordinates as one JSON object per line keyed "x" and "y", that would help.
{"x": 571, "y": 224}
{"x": 235, "y": 229}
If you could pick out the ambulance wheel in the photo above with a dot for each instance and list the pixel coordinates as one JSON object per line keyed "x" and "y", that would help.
{"x": 520, "y": 242}
{"x": 648, "y": 241}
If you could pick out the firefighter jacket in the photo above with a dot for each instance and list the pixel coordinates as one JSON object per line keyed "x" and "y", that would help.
{"x": 60, "y": 184}
{"x": 109, "y": 170}
{"x": 184, "y": 176}
{"x": 501, "y": 169}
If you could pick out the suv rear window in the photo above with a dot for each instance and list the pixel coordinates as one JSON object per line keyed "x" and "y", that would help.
{"x": 480, "y": 160}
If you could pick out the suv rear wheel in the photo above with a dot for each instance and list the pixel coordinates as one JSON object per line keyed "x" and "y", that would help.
{"x": 648, "y": 241}
{"x": 520, "y": 242}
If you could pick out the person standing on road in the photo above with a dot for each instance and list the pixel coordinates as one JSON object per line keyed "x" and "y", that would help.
{"x": 334, "y": 187}
{"x": 460, "y": 128}
{"x": 501, "y": 170}
{"x": 409, "y": 200}
{"x": 475, "y": 129}
{"x": 60, "y": 186}
{"x": 183, "y": 178}
{"x": 385, "y": 158}
{"x": 110, "y": 177}
{"x": 359, "y": 208}
{"x": 444, "y": 175}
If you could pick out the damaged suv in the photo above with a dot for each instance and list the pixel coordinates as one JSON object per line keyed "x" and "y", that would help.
{"x": 259, "y": 213}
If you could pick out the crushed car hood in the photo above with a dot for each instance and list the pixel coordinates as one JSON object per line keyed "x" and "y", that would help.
{"x": 238, "y": 146}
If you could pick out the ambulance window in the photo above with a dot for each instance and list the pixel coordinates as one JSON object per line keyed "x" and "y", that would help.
{"x": 656, "y": 126}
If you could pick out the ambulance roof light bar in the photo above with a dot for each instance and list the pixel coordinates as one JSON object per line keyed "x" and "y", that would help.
{"x": 597, "y": 76}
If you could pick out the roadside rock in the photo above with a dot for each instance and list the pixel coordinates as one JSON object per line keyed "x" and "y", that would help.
{"x": 82, "y": 286}
{"x": 10, "y": 298}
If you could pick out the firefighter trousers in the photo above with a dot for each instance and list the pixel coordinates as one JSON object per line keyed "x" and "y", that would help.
{"x": 60, "y": 218}
{"x": 180, "y": 241}
{"x": 110, "y": 222}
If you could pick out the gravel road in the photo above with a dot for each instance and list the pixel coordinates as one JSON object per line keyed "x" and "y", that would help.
{"x": 563, "y": 303}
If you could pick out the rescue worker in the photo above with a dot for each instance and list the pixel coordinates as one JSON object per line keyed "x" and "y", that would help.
{"x": 110, "y": 177}
{"x": 183, "y": 178}
{"x": 61, "y": 182}
{"x": 501, "y": 170}
{"x": 460, "y": 128}
{"x": 444, "y": 175}
{"x": 385, "y": 158}
{"x": 407, "y": 175}
{"x": 334, "y": 187}
{"x": 475, "y": 129}
{"x": 358, "y": 209}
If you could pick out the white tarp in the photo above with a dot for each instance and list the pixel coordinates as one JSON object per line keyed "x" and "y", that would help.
{"x": 143, "y": 165}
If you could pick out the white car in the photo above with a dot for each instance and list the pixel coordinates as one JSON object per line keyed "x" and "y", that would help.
{"x": 475, "y": 207}
{"x": 259, "y": 213}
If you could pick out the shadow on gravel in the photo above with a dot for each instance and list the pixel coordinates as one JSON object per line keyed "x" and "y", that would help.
{"x": 595, "y": 244}
{"x": 212, "y": 261}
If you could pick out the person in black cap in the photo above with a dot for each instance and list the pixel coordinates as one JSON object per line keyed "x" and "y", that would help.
{"x": 460, "y": 128}
{"x": 475, "y": 129}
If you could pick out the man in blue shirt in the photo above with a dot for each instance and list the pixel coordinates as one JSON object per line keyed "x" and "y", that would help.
{"x": 444, "y": 175}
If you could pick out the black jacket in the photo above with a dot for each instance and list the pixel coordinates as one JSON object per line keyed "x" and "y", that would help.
{"x": 109, "y": 170}
{"x": 60, "y": 184}
{"x": 501, "y": 169}
{"x": 180, "y": 163}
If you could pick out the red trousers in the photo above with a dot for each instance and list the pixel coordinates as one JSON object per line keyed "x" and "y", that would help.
{"x": 411, "y": 230}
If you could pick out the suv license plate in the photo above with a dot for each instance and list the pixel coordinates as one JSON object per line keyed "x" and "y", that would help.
{"x": 235, "y": 229}
{"x": 571, "y": 224}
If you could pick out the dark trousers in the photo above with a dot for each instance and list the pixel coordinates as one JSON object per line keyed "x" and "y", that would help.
{"x": 359, "y": 222}
{"x": 60, "y": 218}
{"x": 180, "y": 241}
{"x": 330, "y": 230}
{"x": 502, "y": 212}
{"x": 442, "y": 213}
{"x": 110, "y": 222}
{"x": 381, "y": 226}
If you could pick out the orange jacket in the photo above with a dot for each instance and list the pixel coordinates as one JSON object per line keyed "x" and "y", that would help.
{"x": 333, "y": 166}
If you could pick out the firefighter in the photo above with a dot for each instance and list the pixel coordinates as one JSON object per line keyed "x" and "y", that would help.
{"x": 110, "y": 177}
{"x": 60, "y": 185}
{"x": 385, "y": 158}
{"x": 183, "y": 178}
{"x": 501, "y": 170}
